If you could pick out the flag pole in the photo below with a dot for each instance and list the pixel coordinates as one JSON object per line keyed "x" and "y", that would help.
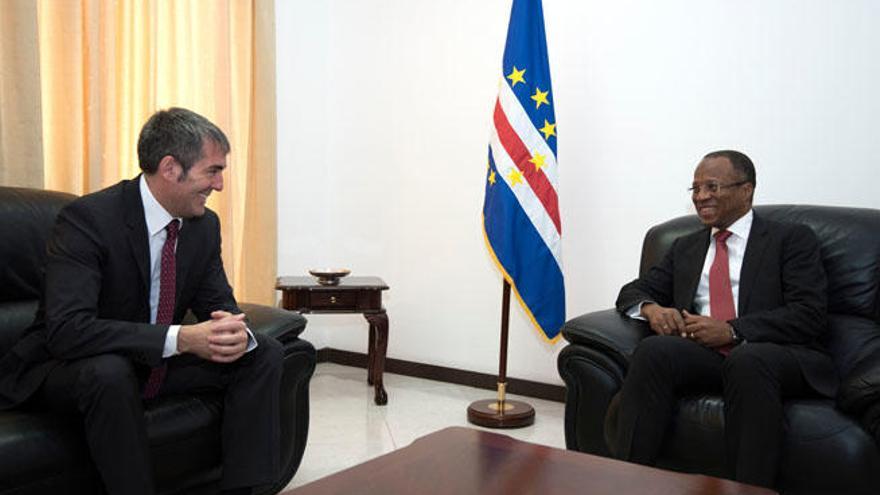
{"x": 500, "y": 412}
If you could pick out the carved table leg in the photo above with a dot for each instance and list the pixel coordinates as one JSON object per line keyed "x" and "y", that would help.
{"x": 371, "y": 353}
{"x": 379, "y": 346}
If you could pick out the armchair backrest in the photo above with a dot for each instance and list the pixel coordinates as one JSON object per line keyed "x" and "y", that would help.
{"x": 26, "y": 220}
{"x": 849, "y": 240}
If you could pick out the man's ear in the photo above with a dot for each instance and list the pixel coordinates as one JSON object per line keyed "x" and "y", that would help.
{"x": 749, "y": 191}
{"x": 168, "y": 168}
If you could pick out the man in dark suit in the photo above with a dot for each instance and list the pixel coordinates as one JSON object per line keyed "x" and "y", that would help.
{"x": 738, "y": 307}
{"x": 124, "y": 266}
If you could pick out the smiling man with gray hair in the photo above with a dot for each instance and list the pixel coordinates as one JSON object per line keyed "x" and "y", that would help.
{"x": 125, "y": 264}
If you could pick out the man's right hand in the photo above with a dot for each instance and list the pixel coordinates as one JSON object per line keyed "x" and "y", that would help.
{"x": 663, "y": 321}
{"x": 222, "y": 339}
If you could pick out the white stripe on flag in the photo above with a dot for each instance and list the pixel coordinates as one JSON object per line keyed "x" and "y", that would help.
{"x": 527, "y": 198}
{"x": 531, "y": 137}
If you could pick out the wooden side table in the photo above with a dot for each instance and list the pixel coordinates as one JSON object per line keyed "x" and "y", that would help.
{"x": 352, "y": 295}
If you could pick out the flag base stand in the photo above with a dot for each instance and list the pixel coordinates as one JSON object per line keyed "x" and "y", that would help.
{"x": 488, "y": 413}
{"x": 501, "y": 413}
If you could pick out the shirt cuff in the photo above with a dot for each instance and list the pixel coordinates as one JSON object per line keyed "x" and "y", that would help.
{"x": 252, "y": 341}
{"x": 635, "y": 311}
{"x": 171, "y": 342}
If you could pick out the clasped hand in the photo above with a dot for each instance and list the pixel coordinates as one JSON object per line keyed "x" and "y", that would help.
{"x": 222, "y": 339}
{"x": 701, "y": 329}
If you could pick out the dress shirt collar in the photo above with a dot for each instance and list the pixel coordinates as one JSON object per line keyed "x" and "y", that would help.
{"x": 157, "y": 217}
{"x": 741, "y": 227}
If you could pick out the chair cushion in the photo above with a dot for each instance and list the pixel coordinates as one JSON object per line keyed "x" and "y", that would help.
{"x": 37, "y": 448}
{"x": 816, "y": 434}
{"x": 861, "y": 388}
{"x": 183, "y": 432}
{"x": 826, "y": 452}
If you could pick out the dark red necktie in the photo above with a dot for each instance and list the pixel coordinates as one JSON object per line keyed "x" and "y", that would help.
{"x": 720, "y": 291}
{"x": 165, "y": 310}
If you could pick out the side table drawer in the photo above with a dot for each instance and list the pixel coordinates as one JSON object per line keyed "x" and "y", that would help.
{"x": 333, "y": 300}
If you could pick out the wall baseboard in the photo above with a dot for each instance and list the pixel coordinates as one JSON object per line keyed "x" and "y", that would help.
{"x": 486, "y": 381}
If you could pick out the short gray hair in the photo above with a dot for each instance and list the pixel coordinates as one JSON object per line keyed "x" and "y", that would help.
{"x": 177, "y": 132}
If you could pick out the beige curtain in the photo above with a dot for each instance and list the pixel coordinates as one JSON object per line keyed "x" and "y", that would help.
{"x": 106, "y": 65}
{"x": 21, "y": 155}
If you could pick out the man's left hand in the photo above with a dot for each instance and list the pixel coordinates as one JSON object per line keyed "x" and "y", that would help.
{"x": 706, "y": 331}
{"x": 228, "y": 345}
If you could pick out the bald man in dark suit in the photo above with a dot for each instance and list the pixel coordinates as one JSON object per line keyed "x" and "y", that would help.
{"x": 738, "y": 308}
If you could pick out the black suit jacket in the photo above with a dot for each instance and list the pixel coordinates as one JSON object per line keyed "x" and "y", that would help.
{"x": 97, "y": 285}
{"x": 782, "y": 291}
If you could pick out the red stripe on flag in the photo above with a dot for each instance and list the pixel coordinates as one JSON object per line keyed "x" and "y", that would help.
{"x": 521, "y": 156}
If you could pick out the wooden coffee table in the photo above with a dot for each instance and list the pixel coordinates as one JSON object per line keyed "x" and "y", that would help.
{"x": 464, "y": 461}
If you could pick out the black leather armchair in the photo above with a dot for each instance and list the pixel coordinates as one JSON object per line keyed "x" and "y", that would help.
{"x": 826, "y": 450}
{"x": 46, "y": 453}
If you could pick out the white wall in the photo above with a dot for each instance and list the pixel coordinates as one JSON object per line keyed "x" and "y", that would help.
{"x": 383, "y": 113}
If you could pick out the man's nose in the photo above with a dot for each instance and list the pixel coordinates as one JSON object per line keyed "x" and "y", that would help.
{"x": 217, "y": 185}
{"x": 701, "y": 193}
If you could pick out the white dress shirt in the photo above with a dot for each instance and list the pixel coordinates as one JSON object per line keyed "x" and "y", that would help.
{"x": 736, "y": 250}
{"x": 157, "y": 219}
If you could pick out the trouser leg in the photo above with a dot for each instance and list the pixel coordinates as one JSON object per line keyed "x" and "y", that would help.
{"x": 252, "y": 422}
{"x": 662, "y": 369}
{"x": 251, "y": 413}
{"x": 757, "y": 377}
{"x": 104, "y": 391}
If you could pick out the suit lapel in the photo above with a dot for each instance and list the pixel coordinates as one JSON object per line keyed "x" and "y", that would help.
{"x": 137, "y": 231}
{"x": 755, "y": 248}
{"x": 693, "y": 255}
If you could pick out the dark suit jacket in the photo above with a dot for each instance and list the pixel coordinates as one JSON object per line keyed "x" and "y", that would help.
{"x": 97, "y": 285}
{"x": 782, "y": 291}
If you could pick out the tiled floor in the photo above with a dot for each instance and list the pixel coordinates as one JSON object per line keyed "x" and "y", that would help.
{"x": 346, "y": 428}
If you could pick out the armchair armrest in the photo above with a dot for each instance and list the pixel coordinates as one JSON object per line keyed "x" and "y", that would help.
{"x": 593, "y": 367}
{"x": 283, "y": 325}
{"x": 608, "y": 332}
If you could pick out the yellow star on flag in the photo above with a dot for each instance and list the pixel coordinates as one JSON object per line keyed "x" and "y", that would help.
{"x": 492, "y": 177}
{"x": 548, "y": 130}
{"x": 516, "y": 76}
{"x": 540, "y": 97}
{"x": 515, "y": 177}
{"x": 538, "y": 160}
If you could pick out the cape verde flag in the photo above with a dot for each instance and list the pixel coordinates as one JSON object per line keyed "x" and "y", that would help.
{"x": 521, "y": 210}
